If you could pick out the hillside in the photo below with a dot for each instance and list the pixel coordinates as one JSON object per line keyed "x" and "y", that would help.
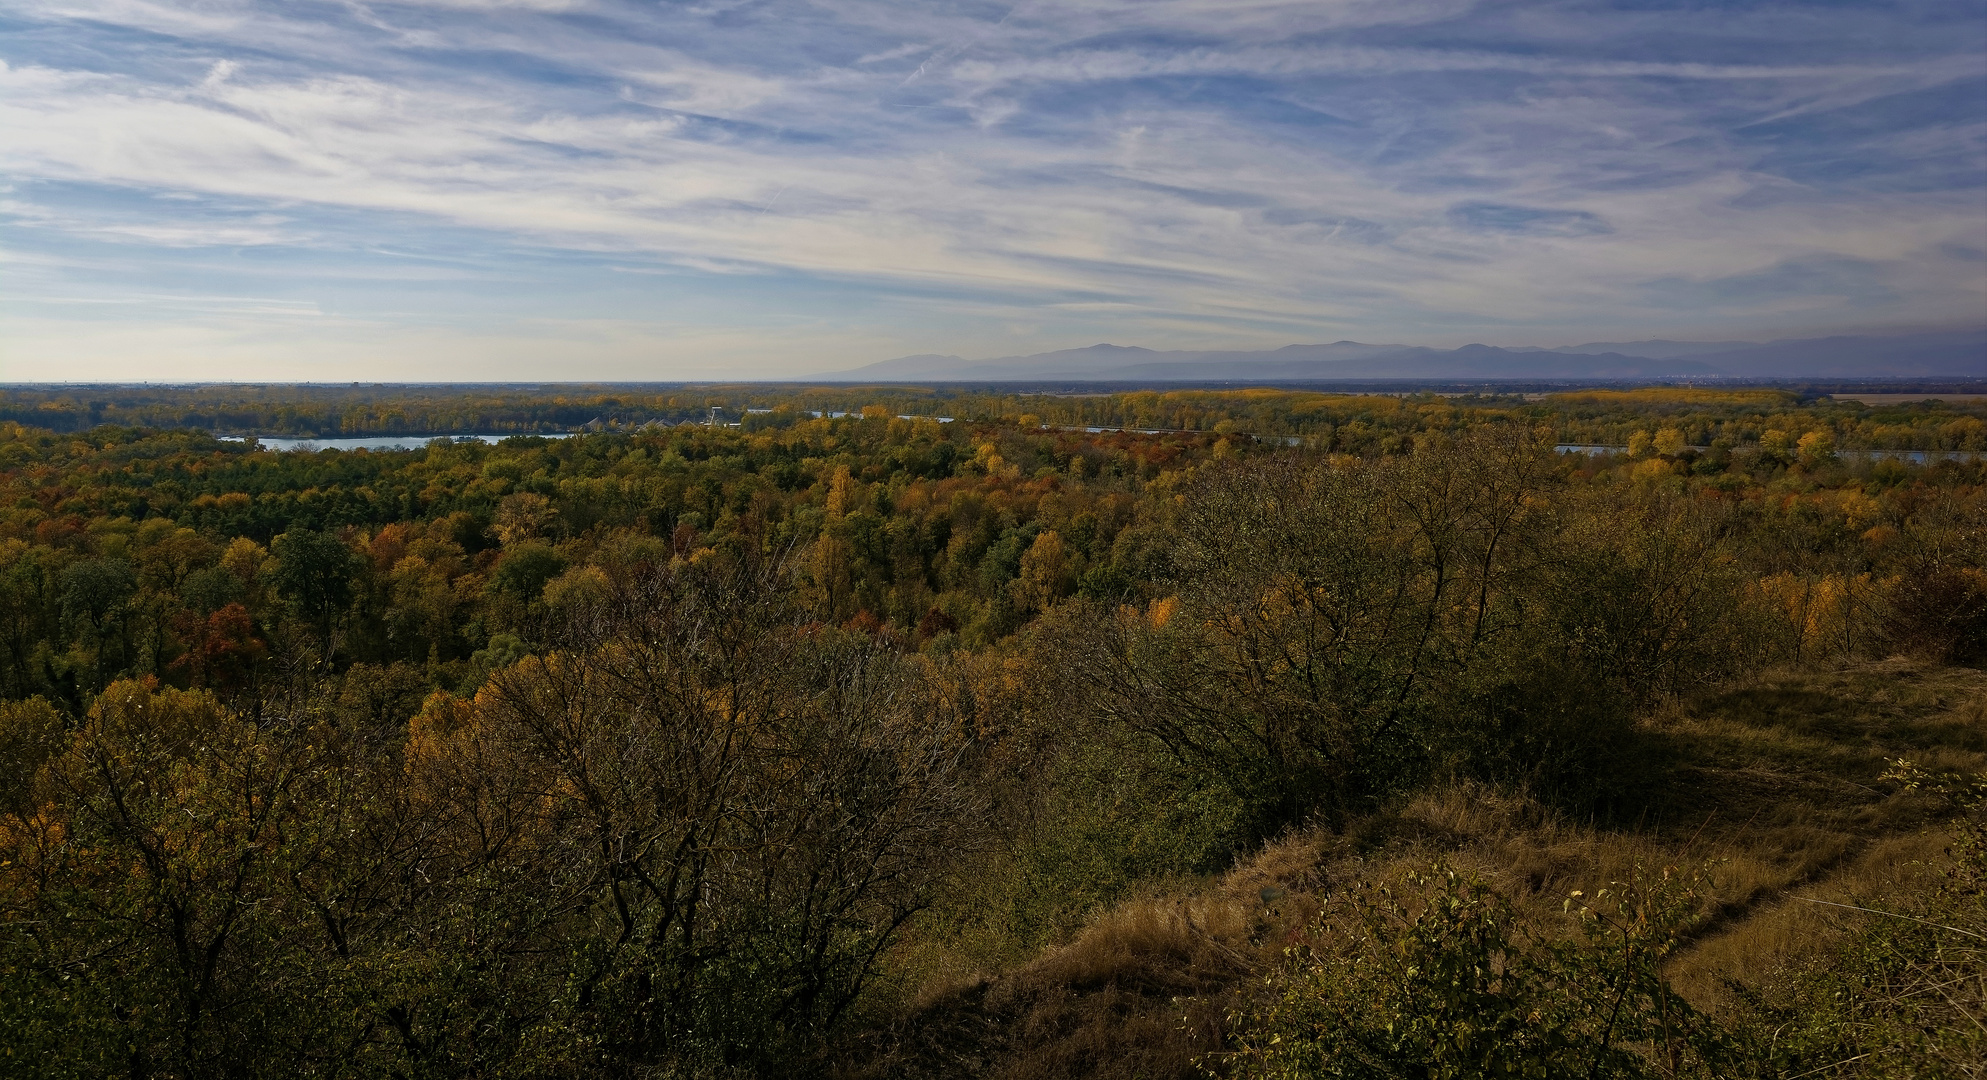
{"x": 1771, "y": 789}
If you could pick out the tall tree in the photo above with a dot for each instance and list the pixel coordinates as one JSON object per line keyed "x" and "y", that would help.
{"x": 314, "y": 571}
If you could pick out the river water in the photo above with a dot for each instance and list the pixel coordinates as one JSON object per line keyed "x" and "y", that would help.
{"x": 380, "y": 442}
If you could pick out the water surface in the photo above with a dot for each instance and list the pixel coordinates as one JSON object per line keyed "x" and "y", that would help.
{"x": 380, "y": 442}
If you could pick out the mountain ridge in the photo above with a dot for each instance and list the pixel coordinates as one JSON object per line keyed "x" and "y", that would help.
{"x": 1942, "y": 354}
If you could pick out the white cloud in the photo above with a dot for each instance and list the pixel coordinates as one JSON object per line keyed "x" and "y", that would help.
{"x": 1031, "y": 164}
{"x": 256, "y": 230}
{"x": 698, "y": 88}
{"x": 221, "y": 72}
{"x": 494, "y": 5}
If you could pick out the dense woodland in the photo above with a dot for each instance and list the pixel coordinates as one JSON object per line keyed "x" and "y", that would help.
{"x": 1708, "y": 419}
{"x": 874, "y": 746}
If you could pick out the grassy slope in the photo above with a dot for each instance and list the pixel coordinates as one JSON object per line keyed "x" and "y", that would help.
{"x": 1773, "y": 786}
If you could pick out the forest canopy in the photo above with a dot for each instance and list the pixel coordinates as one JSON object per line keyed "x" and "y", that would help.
{"x": 708, "y": 749}
{"x": 1357, "y": 421}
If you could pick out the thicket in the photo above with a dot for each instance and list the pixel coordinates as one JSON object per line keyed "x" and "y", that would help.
{"x": 678, "y": 751}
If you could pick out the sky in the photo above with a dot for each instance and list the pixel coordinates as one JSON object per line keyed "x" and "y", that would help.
{"x": 494, "y": 190}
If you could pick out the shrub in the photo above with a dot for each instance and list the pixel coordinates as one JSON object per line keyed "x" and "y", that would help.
{"x": 1443, "y": 980}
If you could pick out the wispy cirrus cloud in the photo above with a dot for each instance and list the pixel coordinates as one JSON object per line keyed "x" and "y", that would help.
{"x": 873, "y": 175}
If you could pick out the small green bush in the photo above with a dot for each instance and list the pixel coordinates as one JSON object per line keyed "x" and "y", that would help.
{"x": 1441, "y": 979}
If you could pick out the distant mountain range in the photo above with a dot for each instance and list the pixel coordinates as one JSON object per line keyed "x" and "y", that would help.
{"x": 1961, "y": 354}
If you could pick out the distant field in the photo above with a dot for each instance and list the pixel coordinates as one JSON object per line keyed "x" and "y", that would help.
{"x": 1892, "y": 399}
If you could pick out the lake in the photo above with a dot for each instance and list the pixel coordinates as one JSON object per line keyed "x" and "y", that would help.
{"x": 380, "y": 442}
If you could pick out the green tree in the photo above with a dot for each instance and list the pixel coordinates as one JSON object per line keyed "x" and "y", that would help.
{"x": 314, "y": 571}
{"x": 525, "y": 569}
{"x": 95, "y": 596}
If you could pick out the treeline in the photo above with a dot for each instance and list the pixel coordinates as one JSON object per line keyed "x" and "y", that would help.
{"x": 1355, "y": 423}
{"x": 1729, "y": 419}
{"x": 338, "y": 411}
{"x": 668, "y": 752}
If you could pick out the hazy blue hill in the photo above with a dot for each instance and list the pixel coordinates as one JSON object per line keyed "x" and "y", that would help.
{"x": 912, "y": 367}
{"x": 1468, "y": 362}
{"x": 1658, "y": 349}
{"x": 1952, "y": 354}
{"x": 1940, "y": 355}
{"x": 1338, "y": 360}
{"x": 1491, "y": 362}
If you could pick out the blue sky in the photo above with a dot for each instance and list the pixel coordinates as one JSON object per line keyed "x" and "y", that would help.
{"x": 609, "y": 189}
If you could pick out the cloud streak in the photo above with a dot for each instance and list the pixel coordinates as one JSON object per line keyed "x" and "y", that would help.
{"x": 910, "y": 177}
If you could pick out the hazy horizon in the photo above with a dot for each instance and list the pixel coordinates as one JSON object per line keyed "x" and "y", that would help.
{"x": 1214, "y": 374}
{"x": 601, "y": 190}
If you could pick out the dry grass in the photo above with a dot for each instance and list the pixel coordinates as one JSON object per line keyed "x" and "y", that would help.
{"x": 1785, "y": 930}
{"x": 1772, "y": 788}
{"x": 1140, "y": 992}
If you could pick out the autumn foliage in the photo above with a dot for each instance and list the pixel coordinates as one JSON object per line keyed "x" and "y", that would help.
{"x": 762, "y": 750}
